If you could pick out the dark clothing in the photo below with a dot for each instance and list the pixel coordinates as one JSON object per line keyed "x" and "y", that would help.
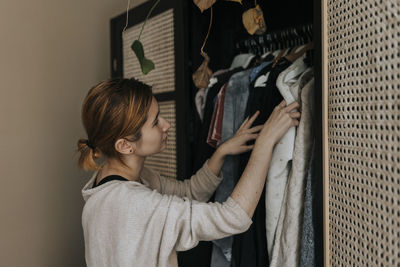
{"x": 250, "y": 248}
{"x": 109, "y": 178}
{"x": 200, "y": 256}
{"x": 307, "y": 251}
{"x": 205, "y": 150}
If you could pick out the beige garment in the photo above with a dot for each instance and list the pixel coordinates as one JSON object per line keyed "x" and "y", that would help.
{"x": 288, "y": 83}
{"x": 127, "y": 223}
{"x": 286, "y": 250}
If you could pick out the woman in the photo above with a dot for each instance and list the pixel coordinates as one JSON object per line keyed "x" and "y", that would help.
{"x": 135, "y": 217}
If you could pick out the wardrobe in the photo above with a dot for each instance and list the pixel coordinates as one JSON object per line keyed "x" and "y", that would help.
{"x": 356, "y": 69}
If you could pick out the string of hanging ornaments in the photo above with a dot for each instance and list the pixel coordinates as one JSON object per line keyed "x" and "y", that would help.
{"x": 146, "y": 65}
{"x": 253, "y": 21}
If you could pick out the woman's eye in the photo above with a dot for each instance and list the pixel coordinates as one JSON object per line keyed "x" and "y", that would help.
{"x": 156, "y": 122}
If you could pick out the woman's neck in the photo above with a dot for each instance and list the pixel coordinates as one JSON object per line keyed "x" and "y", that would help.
{"x": 131, "y": 172}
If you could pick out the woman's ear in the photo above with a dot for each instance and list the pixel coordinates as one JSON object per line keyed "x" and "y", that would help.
{"x": 125, "y": 147}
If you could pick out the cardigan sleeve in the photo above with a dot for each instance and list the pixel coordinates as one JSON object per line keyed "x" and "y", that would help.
{"x": 199, "y": 187}
{"x": 186, "y": 222}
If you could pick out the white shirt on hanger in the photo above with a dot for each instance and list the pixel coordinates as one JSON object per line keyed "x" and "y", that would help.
{"x": 283, "y": 152}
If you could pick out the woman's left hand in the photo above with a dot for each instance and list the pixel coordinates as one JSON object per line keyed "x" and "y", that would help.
{"x": 237, "y": 143}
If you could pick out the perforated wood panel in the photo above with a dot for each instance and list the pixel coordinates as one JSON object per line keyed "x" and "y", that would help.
{"x": 158, "y": 42}
{"x": 364, "y": 132}
{"x": 165, "y": 162}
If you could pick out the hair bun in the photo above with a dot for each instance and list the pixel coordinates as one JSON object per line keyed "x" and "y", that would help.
{"x": 89, "y": 145}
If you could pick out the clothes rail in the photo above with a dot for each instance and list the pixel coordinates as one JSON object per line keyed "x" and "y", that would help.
{"x": 279, "y": 39}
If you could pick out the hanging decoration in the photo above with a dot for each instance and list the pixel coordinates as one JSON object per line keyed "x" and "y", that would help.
{"x": 206, "y": 4}
{"x": 201, "y": 77}
{"x": 146, "y": 65}
{"x": 253, "y": 21}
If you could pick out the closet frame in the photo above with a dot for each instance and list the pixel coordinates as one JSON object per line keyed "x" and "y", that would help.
{"x": 180, "y": 95}
{"x": 322, "y": 82}
{"x": 183, "y": 81}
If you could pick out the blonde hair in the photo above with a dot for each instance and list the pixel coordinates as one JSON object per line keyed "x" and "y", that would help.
{"x": 113, "y": 109}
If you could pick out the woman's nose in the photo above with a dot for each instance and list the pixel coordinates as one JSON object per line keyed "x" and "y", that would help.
{"x": 166, "y": 125}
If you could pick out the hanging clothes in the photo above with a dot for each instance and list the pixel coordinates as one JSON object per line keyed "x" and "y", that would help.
{"x": 200, "y": 101}
{"x": 200, "y": 256}
{"x": 260, "y": 67}
{"x": 242, "y": 60}
{"x": 307, "y": 248}
{"x": 286, "y": 249}
{"x": 283, "y": 152}
{"x": 204, "y": 150}
{"x": 234, "y": 108}
{"x": 201, "y": 95}
{"x": 250, "y": 248}
{"x": 214, "y": 133}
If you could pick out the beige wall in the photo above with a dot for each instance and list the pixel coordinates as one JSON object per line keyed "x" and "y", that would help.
{"x": 51, "y": 53}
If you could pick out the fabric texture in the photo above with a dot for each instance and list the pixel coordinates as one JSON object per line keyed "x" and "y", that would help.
{"x": 109, "y": 178}
{"x": 242, "y": 61}
{"x": 123, "y": 219}
{"x": 200, "y": 100}
{"x": 204, "y": 150}
{"x": 215, "y": 130}
{"x": 307, "y": 249}
{"x": 286, "y": 250}
{"x": 234, "y": 108}
{"x": 282, "y": 155}
{"x": 257, "y": 69}
{"x": 201, "y": 95}
{"x": 250, "y": 248}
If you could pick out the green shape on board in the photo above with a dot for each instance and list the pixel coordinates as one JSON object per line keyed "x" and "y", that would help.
{"x": 145, "y": 64}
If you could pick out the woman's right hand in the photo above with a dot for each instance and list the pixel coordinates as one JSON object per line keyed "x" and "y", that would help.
{"x": 281, "y": 119}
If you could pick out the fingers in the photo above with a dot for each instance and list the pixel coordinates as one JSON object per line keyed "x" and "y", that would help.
{"x": 249, "y": 136}
{"x": 295, "y": 115}
{"x": 252, "y": 119}
{"x": 290, "y": 107}
{"x": 293, "y": 105}
{"x": 295, "y": 122}
{"x": 248, "y": 148}
{"x": 248, "y": 122}
{"x": 256, "y": 129}
{"x": 243, "y": 123}
{"x": 282, "y": 104}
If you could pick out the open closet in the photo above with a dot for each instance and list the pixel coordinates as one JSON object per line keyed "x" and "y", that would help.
{"x": 332, "y": 195}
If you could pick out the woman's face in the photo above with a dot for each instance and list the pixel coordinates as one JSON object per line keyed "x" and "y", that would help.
{"x": 154, "y": 133}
